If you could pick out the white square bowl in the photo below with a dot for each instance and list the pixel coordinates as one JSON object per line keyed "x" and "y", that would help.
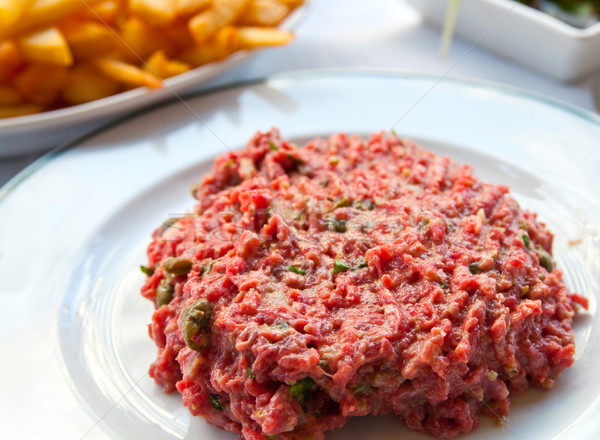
{"x": 524, "y": 34}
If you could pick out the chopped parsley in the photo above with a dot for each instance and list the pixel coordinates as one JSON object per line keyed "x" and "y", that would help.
{"x": 340, "y": 266}
{"x": 297, "y": 270}
{"x": 525, "y": 239}
{"x": 272, "y": 146}
{"x": 146, "y": 270}
{"x": 363, "y": 388}
{"x": 299, "y": 389}
{"x": 214, "y": 399}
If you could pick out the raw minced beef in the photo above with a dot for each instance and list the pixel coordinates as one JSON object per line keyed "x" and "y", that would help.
{"x": 352, "y": 277}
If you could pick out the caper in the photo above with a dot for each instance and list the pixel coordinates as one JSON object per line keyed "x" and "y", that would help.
{"x": 164, "y": 293}
{"x": 169, "y": 222}
{"x": 194, "y": 319}
{"x": 338, "y": 225}
{"x": 342, "y": 203}
{"x": 474, "y": 267}
{"x": 177, "y": 266}
{"x": 545, "y": 260}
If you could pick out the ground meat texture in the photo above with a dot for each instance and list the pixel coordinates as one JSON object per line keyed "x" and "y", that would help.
{"x": 352, "y": 277}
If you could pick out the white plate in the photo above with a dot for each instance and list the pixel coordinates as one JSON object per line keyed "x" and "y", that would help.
{"x": 524, "y": 34}
{"x": 44, "y": 130}
{"x": 74, "y": 228}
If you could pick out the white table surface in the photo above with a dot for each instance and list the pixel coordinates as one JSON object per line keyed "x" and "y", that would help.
{"x": 378, "y": 34}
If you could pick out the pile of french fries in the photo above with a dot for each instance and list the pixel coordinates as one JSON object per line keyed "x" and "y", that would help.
{"x": 57, "y": 53}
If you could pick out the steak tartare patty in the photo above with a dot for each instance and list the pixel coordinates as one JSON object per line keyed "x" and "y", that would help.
{"x": 353, "y": 277}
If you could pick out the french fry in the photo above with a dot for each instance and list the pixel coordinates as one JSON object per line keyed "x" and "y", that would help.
{"x": 264, "y": 13}
{"x": 13, "y": 111}
{"x": 9, "y": 96}
{"x": 55, "y": 53}
{"x": 43, "y": 12}
{"x": 86, "y": 84}
{"x": 88, "y": 38}
{"x": 126, "y": 73}
{"x": 106, "y": 11}
{"x": 199, "y": 55}
{"x": 177, "y": 35}
{"x": 226, "y": 41}
{"x": 155, "y": 11}
{"x": 292, "y": 4}
{"x": 41, "y": 83}
{"x": 11, "y": 60}
{"x": 46, "y": 46}
{"x": 159, "y": 65}
{"x": 11, "y": 11}
{"x": 189, "y": 7}
{"x": 140, "y": 40}
{"x": 206, "y": 24}
{"x": 253, "y": 37}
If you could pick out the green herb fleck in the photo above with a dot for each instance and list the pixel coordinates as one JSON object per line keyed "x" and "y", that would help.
{"x": 299, "y": 389}
{"x": 444, "y": 285}
{"x": 297, "y": 270}
{"x": 474, "y": 267}
{"x": 525, "y": 239}
{"x": 250, "y": 373}
{"x": 271, "y": 437}
{"x": 215, "y": 402}
{"x": 363, "y": 388}
{"x": 146, "y": 270}
{"x": 229, "y": 163}
{"x": 362, "y": 265}
{"x": 524, "y": 290}
{"x": 338, "y": 225}
{"x": 326, "y": 183}
{"x": 273, "y": 146}
{"x": 340, "y": 266}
